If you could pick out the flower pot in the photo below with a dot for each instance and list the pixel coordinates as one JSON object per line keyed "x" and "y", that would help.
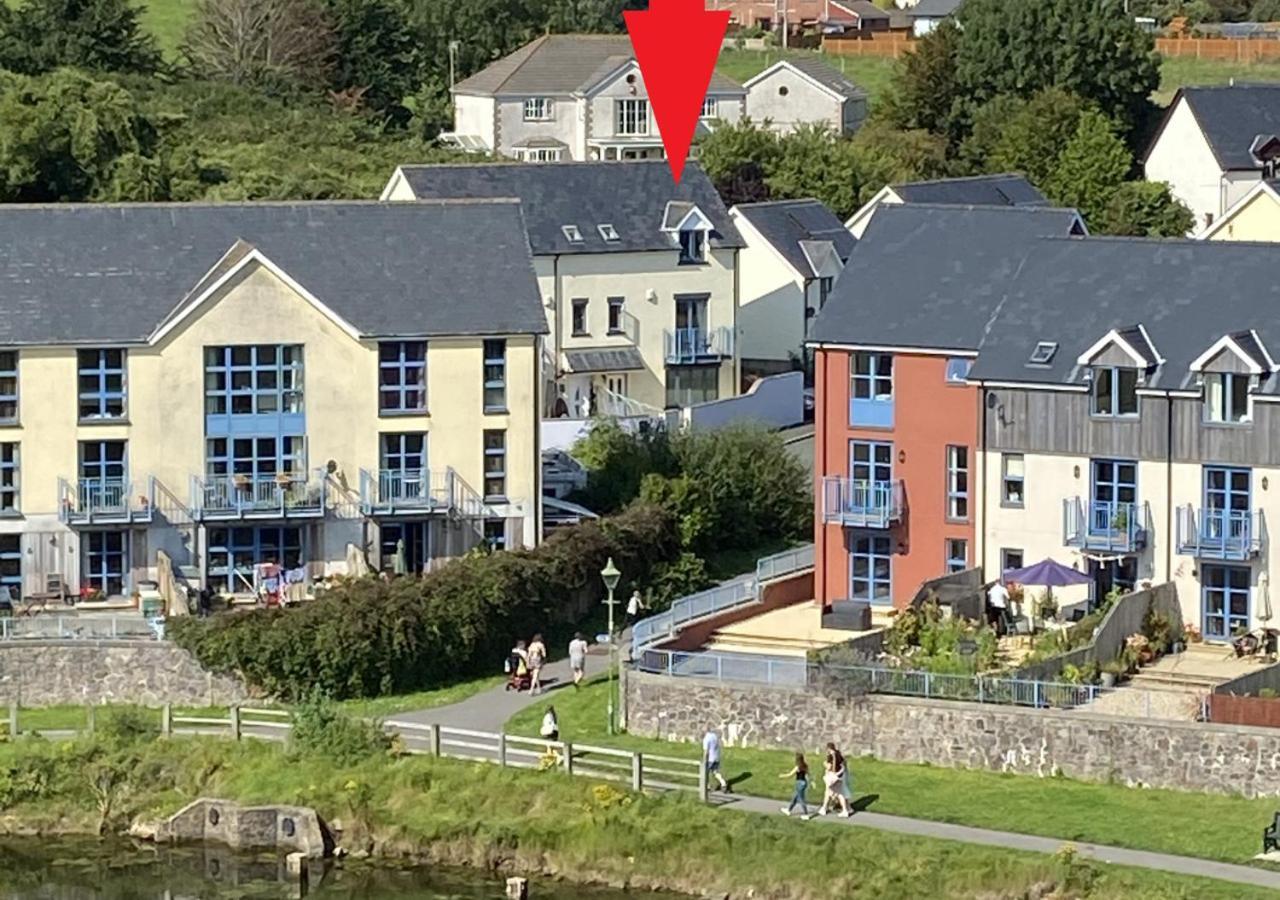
{"x": 1177, "y": 647}
{"x": 1145, "y": 656}
{"x": 1108, "y": 679}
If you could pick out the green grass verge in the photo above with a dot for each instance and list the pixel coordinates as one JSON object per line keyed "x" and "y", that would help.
{"x": 1179, "y": 71}
{"x": 484, "y": 816}
{"x": 871, "y": 73}
{"x": 168, "y": 20}
{"x": 383, "y": 707}
{"x": 1226, "y": 828}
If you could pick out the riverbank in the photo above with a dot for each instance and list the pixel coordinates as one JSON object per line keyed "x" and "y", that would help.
{"x": 538, "y": 823}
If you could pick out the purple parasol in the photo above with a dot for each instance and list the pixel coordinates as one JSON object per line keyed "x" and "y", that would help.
{"x": 1047, "y": 573}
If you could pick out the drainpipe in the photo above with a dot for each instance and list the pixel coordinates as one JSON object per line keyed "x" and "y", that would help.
{"x": 982, "y": 454}
{"x": 821, "y": 423}
{"x": 556, "y": 294}
{"x": 1170, "y": 537}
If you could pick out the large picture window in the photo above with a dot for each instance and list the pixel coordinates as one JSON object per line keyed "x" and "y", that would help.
{"x": 633, "y": 117}
{"x": 245, "y": 380}
{"x": 235, "y": 552}
{"x": 106, "y": 561}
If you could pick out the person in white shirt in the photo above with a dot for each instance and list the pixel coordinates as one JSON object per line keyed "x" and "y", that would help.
{"x": 634, "y": 605}
{"x": 997, "y": 606}
{"x": 711, "y": 753}
{"x": 578, "y": 658}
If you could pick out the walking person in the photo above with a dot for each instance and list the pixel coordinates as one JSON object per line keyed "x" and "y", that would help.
{"x": 517, "y": 667}
{"x": 634, "y": 605}
{"x": 537, "y": 656}
{"x": 578, "y": 658}
{"x": 834, "y": 777}
{"x": 800, "y": 772}
{"x": 711, "y": 754}
{"x": 997, "y": 607}
{"x": 551, "y": 731}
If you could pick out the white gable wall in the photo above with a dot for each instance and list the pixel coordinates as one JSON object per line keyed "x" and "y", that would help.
{"x": 474, "y": 115}
{"x": 563, "y": 125}
{"x": 804, "y": 102}
{"x": 1182, "y": 158}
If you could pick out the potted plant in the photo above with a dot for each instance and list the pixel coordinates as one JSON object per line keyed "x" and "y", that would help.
{"x": 1140, "y": 647}
{"x": 1120, "y": 519}
{"x": 1113, "y": 672}
{"x": 1048, "y": 606}
{"x": 1191, "y": 634}
{"x": 241, "y": 481}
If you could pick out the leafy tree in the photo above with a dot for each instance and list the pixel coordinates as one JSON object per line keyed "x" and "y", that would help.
{"x": 1091, "y": 167}
{"x": 883, "y": 156}
{"x": 738, "y": 157}
{"x": 1265, "y": 11}
{"x": 1089, "y": 47}
{"x": 430, "y": 109}
{"x": 1012, "y": 134}
{"x": 377, "y": 53}
{"x": 617, "y": 461}
{"x": 68, "y": 137}
{"x": 100, "y": 35}
{"x": 815, "y": 162}
{"x": 1145, "y": 209}
{"x": 926, "y": 94}
{"x": 261, "y": 42}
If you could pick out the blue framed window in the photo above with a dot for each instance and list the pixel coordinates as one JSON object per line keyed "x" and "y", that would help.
{"x": 106, "y": 555}
{"x": 8, "y": 387}
{"x": 495, "y": 464}
{"x": 105, "y": 462}
{"x": 871, "y": 390}
{"x": 1225, "y": 594}
{"x": 871, "y": 569}
{"x": 957, "y": 482}
{"x": 1114, "y": 392}
{"x": 495, "y": 376}
{"x": 1226, "y": 503}
{"x": 256, "y": 457}
{"x": 957, "y": 554}
{"x": 1226, "y": 398}
{"x": 10, "y": 454}
{"x": 11, "y": 564}
{"x": 404, "y": 452}
{"x": 495, "y": 533}
{"x": 1115, "y": 481}
{"x": 870, "y": 461}
{"x": 253, "y": 380}
{"x": 402, "y": 377}
{"x": 101, "y": 384}
{"x": 234, "y": 553}
{"x": 958, "y": 369}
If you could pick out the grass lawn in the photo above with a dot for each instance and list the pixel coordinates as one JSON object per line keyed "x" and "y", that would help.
{"x": 1178, "y": 71}
{"x": 498, "y": 819}
{"x": 1226, "y": 828}
{"x": 168, "y": 20}
{"x": 382, "y": 707}
{"x": 871, "y": 73}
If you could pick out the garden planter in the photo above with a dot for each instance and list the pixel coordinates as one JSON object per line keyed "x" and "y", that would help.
{"x": 1108, "y": 679}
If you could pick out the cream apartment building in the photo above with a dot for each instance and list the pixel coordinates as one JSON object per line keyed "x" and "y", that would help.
{"x": 571, "y": 97}
{"x": 638, "y": 277}
{"x": 243, "y": 386}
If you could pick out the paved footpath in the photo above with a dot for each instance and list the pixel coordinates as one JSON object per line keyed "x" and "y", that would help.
{"x": 490, "y": 711}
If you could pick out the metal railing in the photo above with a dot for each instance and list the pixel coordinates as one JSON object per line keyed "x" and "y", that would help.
{"x": 284, "y": 495}
{"x": 1234, "y": 534}
{"x": 1105, "y": 525}
{"x": 797, "y": 672}
{"x": 390, "y": 491}
{"x": 723, "y": 597}
{"x": 690, "y": 345}
{"x": 861, "y": 504}
{"x": 91, "y": 628}
{"x": 105, "y": 500}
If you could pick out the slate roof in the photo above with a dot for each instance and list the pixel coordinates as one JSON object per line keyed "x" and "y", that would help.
{"x": 978, "y": 190}
{"x": 1186, "y": 295}
{"x": 827, "y": 76}
{"x": 929, "y": 275}
{"x": 1231, "y": 117}
{"x": 864, "y": 10}
{"x": 110, "y": 273}
{"x": 935, "y": 9}
{"x": 561, "y": 64}
{"x": 787, "y": 224}
{"x": 604, "y": 359}
{"x": 631, "y": 196}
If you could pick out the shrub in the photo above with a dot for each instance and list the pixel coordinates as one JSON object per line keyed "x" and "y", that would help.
{"x": 322, "y": 729}
{"x": 365, "y": 637}
{"x": 682, "y": 576}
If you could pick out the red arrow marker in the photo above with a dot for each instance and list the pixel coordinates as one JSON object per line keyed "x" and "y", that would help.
{"x": 677, "y": 43}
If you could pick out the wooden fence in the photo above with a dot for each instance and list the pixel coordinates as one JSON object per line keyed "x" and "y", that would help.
{"x": 890, "y": 44}
{"x": 1225, "y": 49}
{"x": 1225, "y": 709}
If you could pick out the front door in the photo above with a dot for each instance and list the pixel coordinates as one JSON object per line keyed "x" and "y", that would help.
{"x": 1225, "y": 595}
{"x": 103, "y": 469}
{"x": 1226, "y": 504}
{"x": 1115, "y": 496}
{"x": 417, "y": 546}
{"x": 691, "y": 313}
{"x": 871, "y": 568}
{"x": 1109, "y": 575}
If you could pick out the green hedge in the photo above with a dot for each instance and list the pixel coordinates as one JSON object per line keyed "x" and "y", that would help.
{"x": 365, "y": 637}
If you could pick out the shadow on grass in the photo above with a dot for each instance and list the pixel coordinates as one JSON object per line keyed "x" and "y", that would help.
{"x": 738, "y": 779}
{"x": 862, "y": 804}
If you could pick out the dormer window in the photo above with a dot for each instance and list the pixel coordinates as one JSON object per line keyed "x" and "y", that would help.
{"x": 1226, "y": 397}
{"x": 709, "y": 108}
{"x": 571, "y": 234}
{"x": 608, "y": 232}
{"x": 537, "y": 109}
{"x": 693, "y": 245}
{"x": 1114, "y": 391}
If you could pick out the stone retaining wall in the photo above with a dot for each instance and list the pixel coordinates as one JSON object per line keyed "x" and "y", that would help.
{"x": 1178, "y": 755}
{"x": 44, "y": 673}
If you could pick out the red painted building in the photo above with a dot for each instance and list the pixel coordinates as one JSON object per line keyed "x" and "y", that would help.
{"x": 895, "y": 455}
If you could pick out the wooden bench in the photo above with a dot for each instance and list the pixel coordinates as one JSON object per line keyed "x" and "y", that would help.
{"x": 1271, "y": 835}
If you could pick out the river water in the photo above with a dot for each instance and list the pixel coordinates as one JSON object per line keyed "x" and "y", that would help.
{"x": 89, "y": 870}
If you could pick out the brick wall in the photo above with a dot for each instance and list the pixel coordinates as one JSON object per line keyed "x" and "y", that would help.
{"x": 1178, "y": 755}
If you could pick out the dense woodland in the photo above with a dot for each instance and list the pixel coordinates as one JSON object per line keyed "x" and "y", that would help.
{"x": 310, "y": 99}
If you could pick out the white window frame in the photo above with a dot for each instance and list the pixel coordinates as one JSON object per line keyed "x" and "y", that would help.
{"x": 710, "y": 108}
{"x": 537, "y": 109}
{"x": 958, "y": 495}
{"x": 1006, "y": 478}
{"x": 1225, "y": 380}
{"x": 628, "y": 119}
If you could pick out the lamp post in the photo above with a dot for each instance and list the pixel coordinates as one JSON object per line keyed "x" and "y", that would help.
{"x": 610, "y": 574}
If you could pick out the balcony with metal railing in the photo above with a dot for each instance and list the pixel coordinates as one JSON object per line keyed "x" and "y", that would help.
{"x": 286, "y": 495}
{"x": 391, "y": 492}
{"x": 690, "y": 346}
{"x": 861, "y": 504}
{"x": 106, "y": 501}
{"x": 1227, "y": 534}
{"x": 1106, "y": 526}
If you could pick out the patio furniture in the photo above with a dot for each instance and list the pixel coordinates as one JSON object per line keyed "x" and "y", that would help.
{"x": 1271, "y": 835}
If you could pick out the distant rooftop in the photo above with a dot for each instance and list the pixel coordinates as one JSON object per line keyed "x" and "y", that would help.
{"x": 979, "y": 190}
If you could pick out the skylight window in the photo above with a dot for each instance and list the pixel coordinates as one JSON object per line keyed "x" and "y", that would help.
{"x": 572, "y": 234}
{"x": 1043, "y": 354}
{"x": 608, "y": 232}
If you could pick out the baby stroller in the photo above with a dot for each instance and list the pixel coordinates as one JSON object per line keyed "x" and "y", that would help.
{"x": 517, "y": 669}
